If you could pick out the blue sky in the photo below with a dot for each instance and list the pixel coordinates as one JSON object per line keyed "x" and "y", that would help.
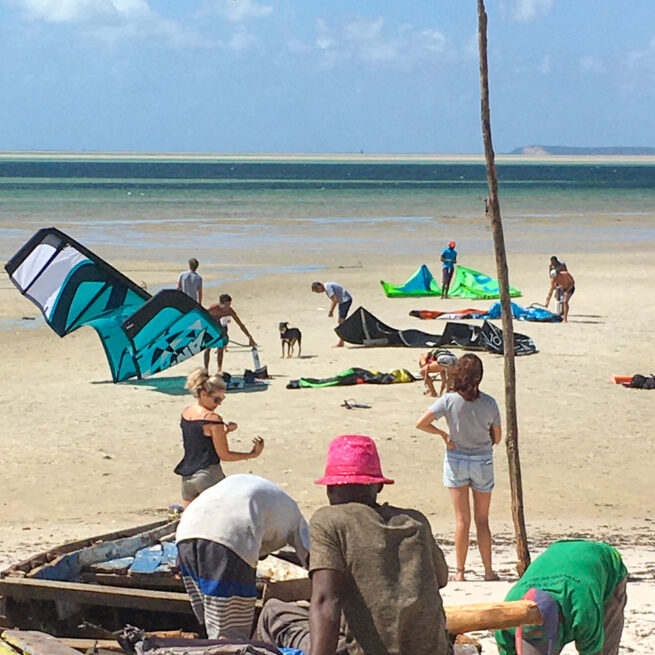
{"x": 310, "y": 76}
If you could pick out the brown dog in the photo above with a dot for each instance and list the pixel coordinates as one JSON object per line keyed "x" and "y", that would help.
{"x": 290, "y": 336}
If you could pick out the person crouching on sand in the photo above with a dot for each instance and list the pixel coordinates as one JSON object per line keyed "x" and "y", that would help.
{"x": 339, "y": 296}
{"x": 437, "y": 361}
{"x": 204, "y": 435}
{"x": 473, "y": 422}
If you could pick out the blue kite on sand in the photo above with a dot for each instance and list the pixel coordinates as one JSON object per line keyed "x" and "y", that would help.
{"x": 141, "y": 334}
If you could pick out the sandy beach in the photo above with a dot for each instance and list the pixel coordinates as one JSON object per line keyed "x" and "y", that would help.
{"x": 82, "y": 455}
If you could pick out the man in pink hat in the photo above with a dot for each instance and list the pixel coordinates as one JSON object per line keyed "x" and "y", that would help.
{"x": 376, "y": 570}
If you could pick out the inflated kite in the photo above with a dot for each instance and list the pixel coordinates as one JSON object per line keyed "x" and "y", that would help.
{"x": 141, "y": 334}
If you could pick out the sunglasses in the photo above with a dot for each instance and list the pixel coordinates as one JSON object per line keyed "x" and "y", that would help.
{"x": 217, "y": 399}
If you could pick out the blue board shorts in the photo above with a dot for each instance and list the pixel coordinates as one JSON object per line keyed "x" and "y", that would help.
{"x": 344, "y": 308}
{"x": 474, "y": 470}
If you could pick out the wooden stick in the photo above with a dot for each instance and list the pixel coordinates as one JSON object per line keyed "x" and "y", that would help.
{"x": 493, "y": 209}
{"x": 491, "y": 616}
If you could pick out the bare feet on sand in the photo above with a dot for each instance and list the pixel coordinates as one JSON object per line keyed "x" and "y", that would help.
{"x": 459, "y": 575}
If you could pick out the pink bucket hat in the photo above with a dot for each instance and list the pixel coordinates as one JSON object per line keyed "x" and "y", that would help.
{"x": 353, "y": 459}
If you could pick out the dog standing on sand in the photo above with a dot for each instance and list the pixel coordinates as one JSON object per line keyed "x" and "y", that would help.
{"x": 290, "y": 336}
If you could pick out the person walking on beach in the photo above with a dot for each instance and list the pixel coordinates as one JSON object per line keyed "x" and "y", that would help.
{"x": 190, "y": 282}
{"x": 473, "y": 421}
{"x": 376, "y": 570}
{"x": 204, "y": 435}
{"x": 579, "y": 587}
{"x": 448, "y": 261}
{"x": 222, "y": 311}
{"x": 340, "y": 298}
{"x": 220, "y": 538}
{"x": 562, "y": 283}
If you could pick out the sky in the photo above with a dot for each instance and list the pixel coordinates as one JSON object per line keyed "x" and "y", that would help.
{"x": 378, "y": 76}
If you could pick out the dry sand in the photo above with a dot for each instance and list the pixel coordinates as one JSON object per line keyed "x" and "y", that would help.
{"x": 82, "y": 455}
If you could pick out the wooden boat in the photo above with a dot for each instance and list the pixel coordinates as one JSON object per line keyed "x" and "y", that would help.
{"x": 95, "y": 586}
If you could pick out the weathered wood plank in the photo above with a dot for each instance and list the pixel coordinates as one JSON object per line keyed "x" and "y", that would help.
{"x": 288, "y": 590}
{"x": 32, "y": 642}
{"x": 491, "y": 616}
{"x": 154, "y": 580}
{"x": 91, "y": 594}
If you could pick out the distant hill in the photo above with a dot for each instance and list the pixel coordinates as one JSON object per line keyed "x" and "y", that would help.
{"x": 568, "y": 150}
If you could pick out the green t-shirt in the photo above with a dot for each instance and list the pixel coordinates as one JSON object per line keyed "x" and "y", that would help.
{"x": 581, "y": 576}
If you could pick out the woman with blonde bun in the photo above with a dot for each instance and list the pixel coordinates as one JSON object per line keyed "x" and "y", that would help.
{"x": 204, "y": 434}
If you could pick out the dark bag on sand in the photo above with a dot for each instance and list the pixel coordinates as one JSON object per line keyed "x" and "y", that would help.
{"x": 643, "y": 381}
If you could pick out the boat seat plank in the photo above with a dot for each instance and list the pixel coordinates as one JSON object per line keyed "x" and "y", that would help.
{"x": 92, "y": 594}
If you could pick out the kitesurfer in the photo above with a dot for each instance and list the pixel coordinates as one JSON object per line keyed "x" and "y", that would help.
{"x": 190, "y": 282}
{"x": 222, "y": 311}
{"x": 473, "y": 421}
{"x": 204, "y": 435}
{"x": 562, "y": 282}
{"x": 448, "y": 261}
{"x": 340, "y": 297}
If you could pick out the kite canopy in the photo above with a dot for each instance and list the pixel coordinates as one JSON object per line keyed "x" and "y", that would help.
{"x": 467, "y": 283}
{"x": 141, "y": 334}
{"x": 532, "y": 313}
{"x": 362, "y": 328}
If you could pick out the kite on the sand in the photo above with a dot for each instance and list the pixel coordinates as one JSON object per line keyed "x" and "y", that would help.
{"x": 362, "y": 328}
{"x": 353, "y": 376}
{"x": 141, "y": 334}
{"x": 467, "y": 283}
{"x": 533, "y": 313}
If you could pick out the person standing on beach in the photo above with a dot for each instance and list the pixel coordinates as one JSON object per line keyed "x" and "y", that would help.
{"x": 220, "y": 538}
{"x": 473, "y": 421}
{"x": 222, "y": 311}
{"x": 561, "y": 282}
{"x": 376, "y": 570}
{"x": 579, "y": 587}
{"x": 340, "y": 297}
{"x": 448, "y": 261}
{"x": 204, "y": 435}
{"x": 190, "y": 282}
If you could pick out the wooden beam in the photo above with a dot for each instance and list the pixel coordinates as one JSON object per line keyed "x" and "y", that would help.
{"x": 31, "y": 642}
{"x": 92, "y": 594}
{"x": 491, "y": 616}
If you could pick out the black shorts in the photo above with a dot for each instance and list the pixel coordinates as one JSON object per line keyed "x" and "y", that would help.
{"x": 344, "y": 308}
{"x": 446, "y": 275}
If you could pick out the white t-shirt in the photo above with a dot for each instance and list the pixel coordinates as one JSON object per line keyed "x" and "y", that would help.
{"x": 249, "y": 515}
{"x": 334, "y": 289}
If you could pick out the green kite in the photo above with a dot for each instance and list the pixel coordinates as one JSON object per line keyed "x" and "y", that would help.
{"x": 467, "y": 283}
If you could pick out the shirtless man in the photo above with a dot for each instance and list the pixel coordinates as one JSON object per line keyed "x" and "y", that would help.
{"x": 222, "y": 311}
{"x": 563, "y": 281}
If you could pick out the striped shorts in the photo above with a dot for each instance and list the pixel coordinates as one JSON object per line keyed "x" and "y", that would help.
{"x": 221, "y": 587}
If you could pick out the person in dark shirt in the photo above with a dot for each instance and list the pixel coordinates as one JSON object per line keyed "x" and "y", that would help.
{"x": 376, "y": 570}
{"x": 204, "y": 435}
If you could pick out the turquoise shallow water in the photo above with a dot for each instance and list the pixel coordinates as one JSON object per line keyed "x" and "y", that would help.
{"x": 139, "y": 203}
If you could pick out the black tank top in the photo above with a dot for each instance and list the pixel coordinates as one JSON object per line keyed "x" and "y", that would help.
{"x": 199, "y": 452}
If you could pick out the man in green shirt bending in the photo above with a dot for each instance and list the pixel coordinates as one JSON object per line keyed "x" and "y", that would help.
{"x": 579, "y": 587}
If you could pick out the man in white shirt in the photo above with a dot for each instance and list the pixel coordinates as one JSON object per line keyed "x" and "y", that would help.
{"x": 340, "y": 297}
{"x": 221, "y": 535}
{"x": 190, "y": 282}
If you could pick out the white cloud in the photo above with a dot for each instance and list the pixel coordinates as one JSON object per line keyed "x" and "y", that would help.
{"x": 370, "y": 40}
{"x": 110, "y": 20}
{"x": 544, "y": 65}
{"x": 525, "y": 10}
{"x": 241, "y": 40}
{"x": 238, "y": 11}
{"x": 591, "y": 64}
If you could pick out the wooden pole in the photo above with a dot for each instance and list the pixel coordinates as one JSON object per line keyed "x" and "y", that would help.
{"x": 493, "y": 211}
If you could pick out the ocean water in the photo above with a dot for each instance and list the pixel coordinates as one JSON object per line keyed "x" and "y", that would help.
{"x": 141, "y": 205}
